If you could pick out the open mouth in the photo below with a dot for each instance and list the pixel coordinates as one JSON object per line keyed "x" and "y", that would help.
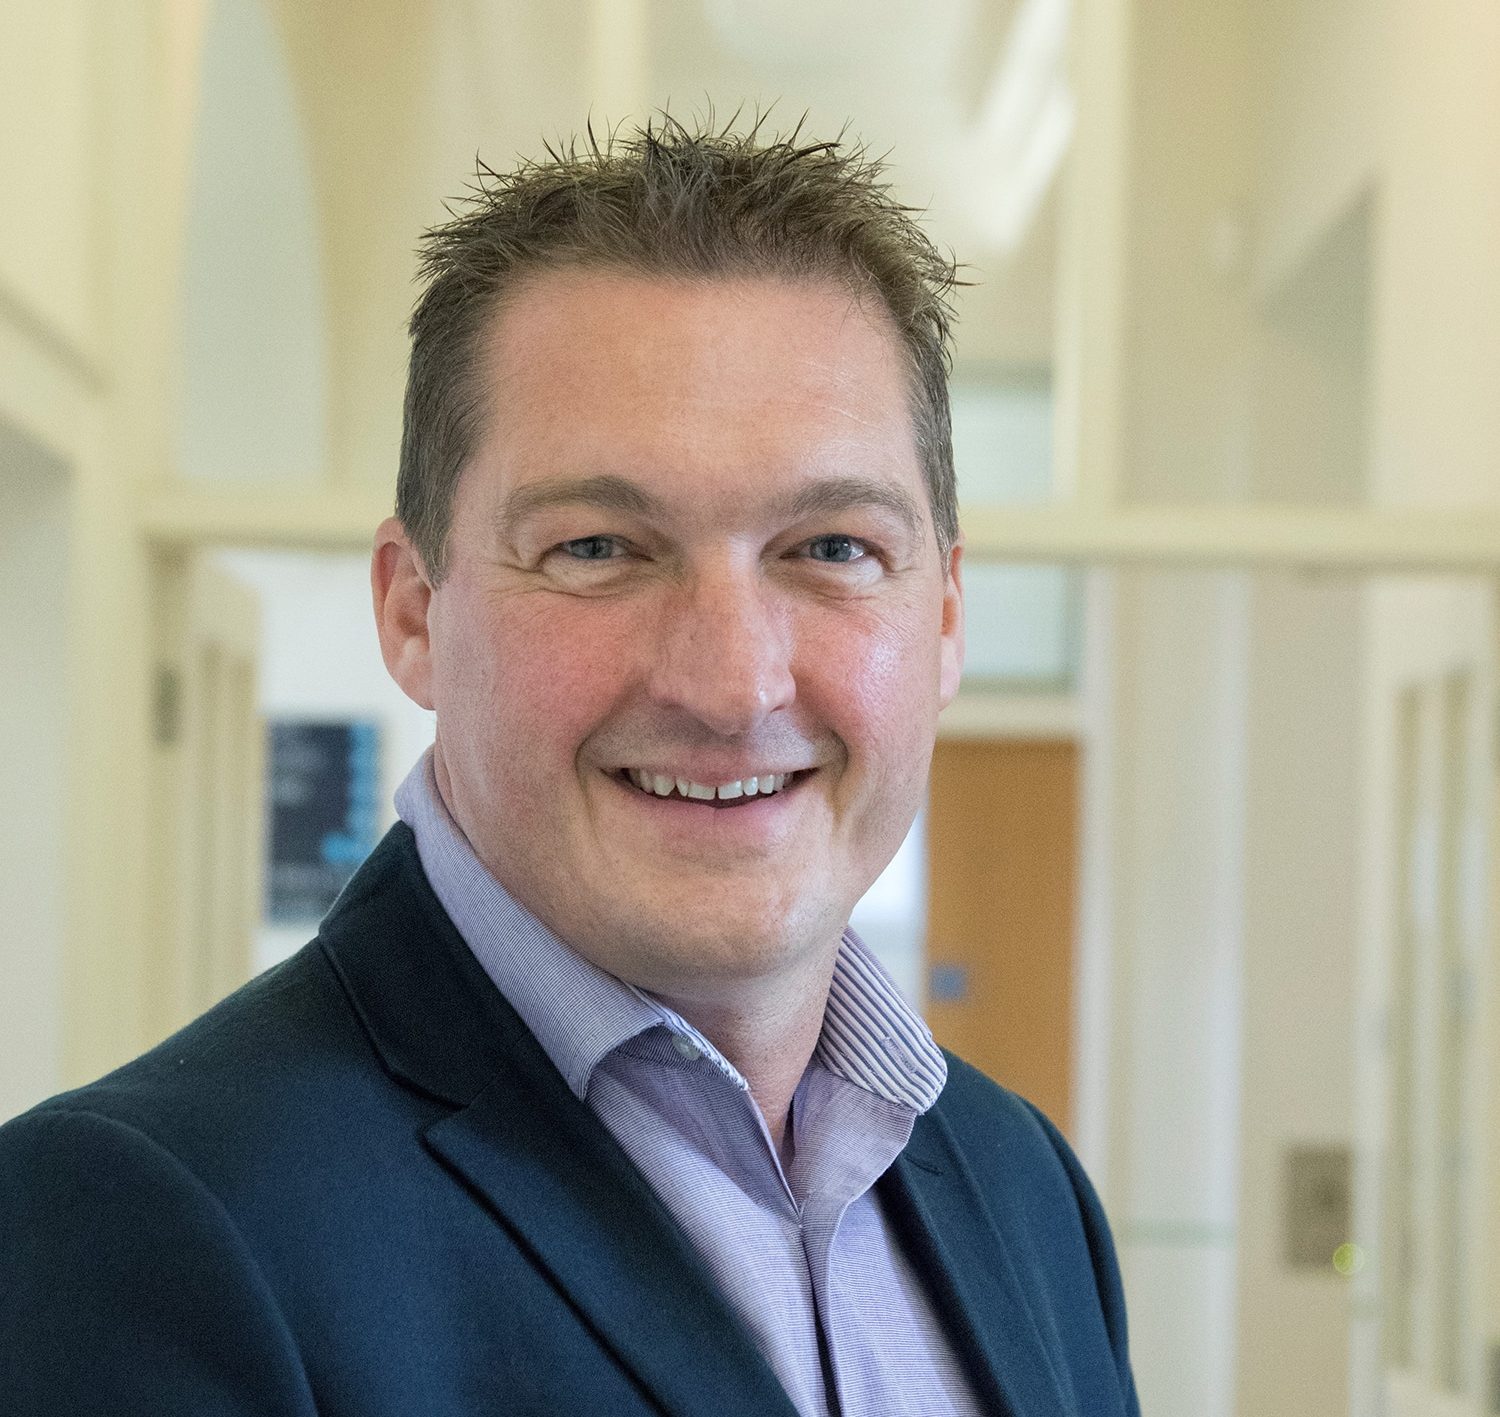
{"x": 739, "y": 793}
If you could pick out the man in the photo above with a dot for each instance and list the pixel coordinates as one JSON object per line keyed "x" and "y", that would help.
{"x": 584, "y": 1099}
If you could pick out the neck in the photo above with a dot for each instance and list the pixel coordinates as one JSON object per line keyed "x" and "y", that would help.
{"x": 770, "y": 1042}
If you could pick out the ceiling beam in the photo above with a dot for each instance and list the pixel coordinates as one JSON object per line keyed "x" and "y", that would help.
{"x": 292, "y": 518}
{"x": 1251, "y": 537}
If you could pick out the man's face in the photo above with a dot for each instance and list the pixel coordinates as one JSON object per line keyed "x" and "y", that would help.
{"x": 693, "y": 548}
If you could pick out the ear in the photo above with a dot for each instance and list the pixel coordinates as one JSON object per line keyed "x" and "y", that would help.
{"x": 403, "y": 596}
{"x": 952, "y": 663}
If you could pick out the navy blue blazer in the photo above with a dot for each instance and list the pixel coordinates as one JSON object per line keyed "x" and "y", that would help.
{"x": 358, "y": 1187}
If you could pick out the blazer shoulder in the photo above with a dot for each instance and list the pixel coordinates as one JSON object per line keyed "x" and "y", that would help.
{"x": 1016, "y": 1153}
{"x": 91, "y": 1210}
{"x": 281, "y": 1037}
{"x": 1036, "y": 1188}
{"x": 988, "y": 1117}
{"x": 260, "y": 1068}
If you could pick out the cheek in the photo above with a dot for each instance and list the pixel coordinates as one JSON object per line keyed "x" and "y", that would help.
{"x": 538, "y": 675}
{"x": 879, "y": 690}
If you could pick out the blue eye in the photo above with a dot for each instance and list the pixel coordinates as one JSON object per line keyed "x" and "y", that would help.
{"x": 591, "y": 548}
{"x": 835, "y": 549}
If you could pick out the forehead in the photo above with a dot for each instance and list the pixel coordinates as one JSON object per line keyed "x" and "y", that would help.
{"x": 718, "y": 383}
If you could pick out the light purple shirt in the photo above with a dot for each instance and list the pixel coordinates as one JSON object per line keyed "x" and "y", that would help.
{"x": 800, "y": 1255}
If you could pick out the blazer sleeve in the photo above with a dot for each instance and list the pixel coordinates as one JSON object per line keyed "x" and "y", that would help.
{"x": 1102, "y": 1252}
{"x": 125, "y": 1287}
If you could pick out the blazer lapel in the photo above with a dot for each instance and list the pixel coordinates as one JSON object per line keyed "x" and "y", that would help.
{"x": 972, "y": 1275}
{"x": 559, "y": 1182}
{"x": 532, "y": 1152}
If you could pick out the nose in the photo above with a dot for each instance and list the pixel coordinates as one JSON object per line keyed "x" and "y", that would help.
{"x": 723, "y": 653}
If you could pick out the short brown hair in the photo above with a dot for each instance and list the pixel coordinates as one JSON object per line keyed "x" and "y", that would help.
{"x": 673, "y": 200}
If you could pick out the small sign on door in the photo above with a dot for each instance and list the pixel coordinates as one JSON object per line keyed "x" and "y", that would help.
{"x": 948, "y": 983}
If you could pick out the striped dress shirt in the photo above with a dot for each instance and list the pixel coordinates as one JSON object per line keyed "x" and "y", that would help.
{"x": 804, "y": 1255}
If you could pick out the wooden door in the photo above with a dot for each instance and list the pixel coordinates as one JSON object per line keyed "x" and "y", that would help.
{"x": 1002, "y": 845}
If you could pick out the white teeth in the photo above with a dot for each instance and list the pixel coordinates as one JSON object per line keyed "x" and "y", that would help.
{"x": 659, "y": 785}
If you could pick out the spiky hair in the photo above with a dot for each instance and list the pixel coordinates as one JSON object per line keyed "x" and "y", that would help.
{"x": 673, "y": 200}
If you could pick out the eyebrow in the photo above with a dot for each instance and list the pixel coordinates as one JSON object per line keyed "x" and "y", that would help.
{"x": 608, "y": 492}
{"x": 613, "y": 493}
{"x": 842, "y": 494}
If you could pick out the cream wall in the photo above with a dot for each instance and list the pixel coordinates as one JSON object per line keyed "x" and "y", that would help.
{"x": 1437, "y": 282}
{"x": 95, "y": 103}
{"x": 47, "y": 239}
{"x": 1185, "y": 437}
{"x": 1322, "y": 78}
{"x": 34, "y": 496}
{"x": 396, "y": 101}
{"x": 251, "y": 353}
{"x": 1305, "y": 312}
{"x": 49, "y": 252}
{"x": 1222, "y": 722}
{"x": 49, "y": 334}
{"x": 1400, "y": 100}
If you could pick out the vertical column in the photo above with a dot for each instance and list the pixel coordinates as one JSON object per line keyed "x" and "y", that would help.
{"x": 1299, "y": 974}
{"x": 33, "y": 712}
{"x": 1149, "y": 386}
{"x": 618, "y": 68}
{"x": 136, "y": 202}
{"x": 1164, "y": 803}
{"x": 1088, "y": 370}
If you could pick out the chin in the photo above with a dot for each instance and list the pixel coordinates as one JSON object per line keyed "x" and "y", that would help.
{"x": 720, "y": 950}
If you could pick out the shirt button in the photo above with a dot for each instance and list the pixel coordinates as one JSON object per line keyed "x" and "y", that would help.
{"x": 686, "y": 1048}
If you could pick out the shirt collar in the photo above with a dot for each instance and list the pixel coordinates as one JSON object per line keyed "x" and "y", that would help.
{"x": 580, "y": 1013}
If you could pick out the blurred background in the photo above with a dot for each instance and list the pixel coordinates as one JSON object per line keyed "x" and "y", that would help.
{"x": 1208, "y": 866}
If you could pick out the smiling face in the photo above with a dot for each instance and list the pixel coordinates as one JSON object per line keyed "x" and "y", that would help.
{"x": 693, "y": 548}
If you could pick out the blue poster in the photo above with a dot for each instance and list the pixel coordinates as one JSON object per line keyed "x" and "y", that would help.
{"x": 324, "y": 813}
